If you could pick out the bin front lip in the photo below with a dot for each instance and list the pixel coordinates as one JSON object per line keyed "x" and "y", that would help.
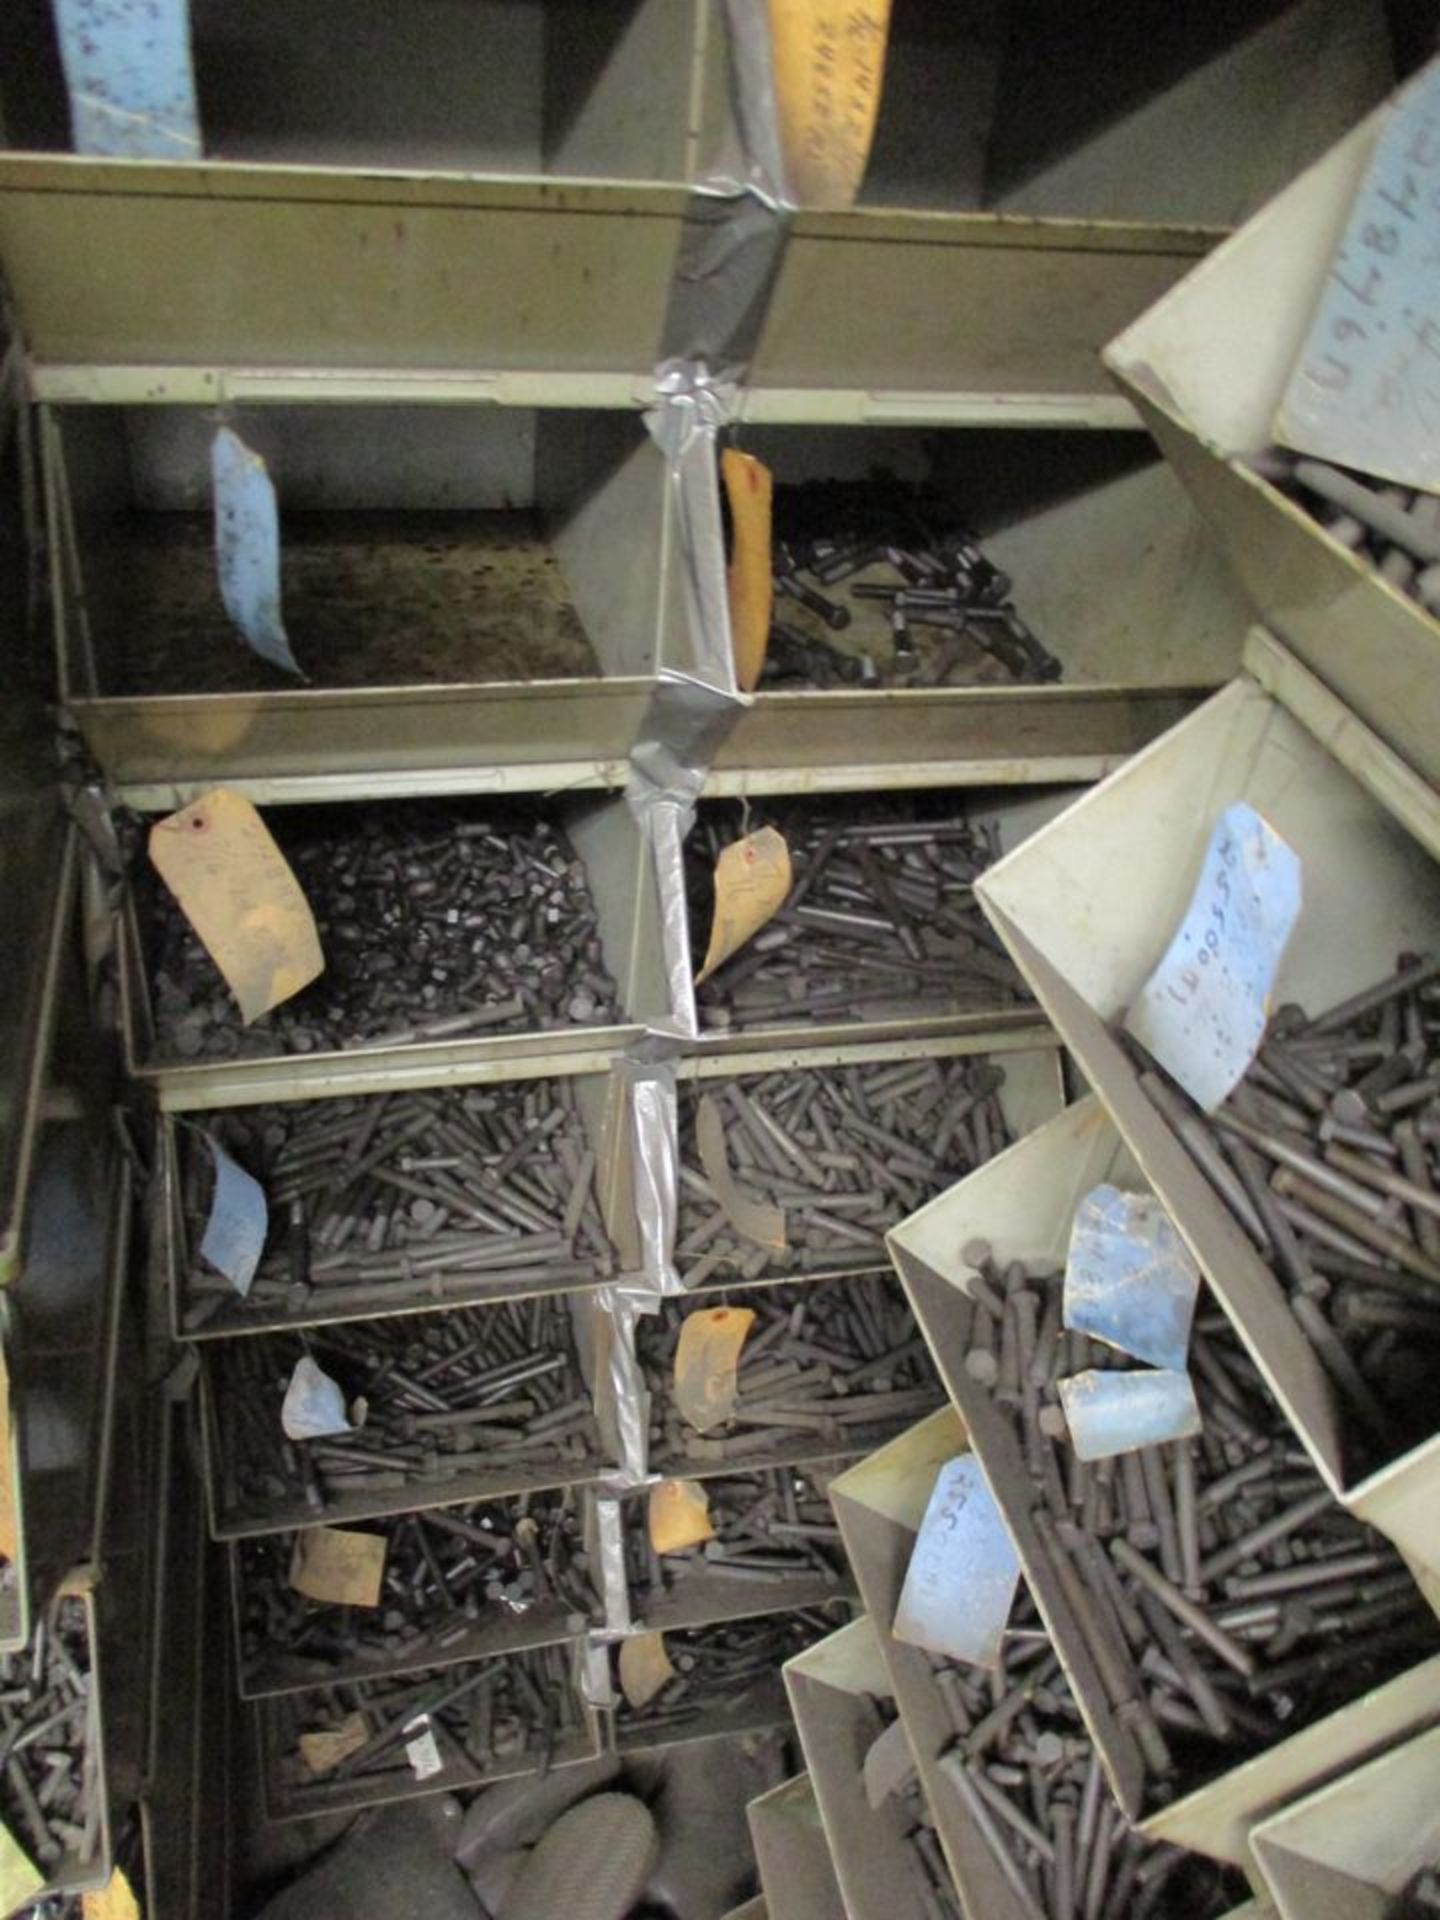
{"x": 215, "y": 179}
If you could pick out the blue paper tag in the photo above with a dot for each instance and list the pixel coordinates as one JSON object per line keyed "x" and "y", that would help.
{"x": 1108, "y": 1411}
{"x": 313, "y": 1407}
{"x": 961, "y": 1581}
{"x": 239, "y": 1220}
{"x": 130, "y": 78}
{"x": 1366, "y": 389}
{"x": 1202, "y": 1013}
{"x": 1130, "y": 1280}
{"x": 247, "y": 547}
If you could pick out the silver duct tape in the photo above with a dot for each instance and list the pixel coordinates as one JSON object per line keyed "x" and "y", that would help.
{"x": 684, "y": 725}
{"x": 592, "y": 1674}
{"x": 621, "y": 1396}
{"x": 754, "y": 105}
{"x": 690, "y": 409}
{"x": 610, "y": 1545}
{"x": 731, "y": 249}
{"x": 655, "y": 1160}
{"x": 689, "y": 714}
{"x": 664, "y": 821}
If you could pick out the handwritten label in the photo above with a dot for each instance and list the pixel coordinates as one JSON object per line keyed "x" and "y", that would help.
{"x": 752, "y": 878}
{"x": 239, "y": 1220}
{"x": 1108, "y": 1411}
{"x": 1366, "y": 389}
{"x": 314, "y": 1407}
{"x": 829, "y": 61}
{"x": 755, "y": 1219}
{"x": 645, "y": 1668}
{"x": 337, "y": 1567}
{"x": 750, "y": 581}
{"x": 1202, "y": 1013}
{"x": 679, "y": 1516}
{"x": 114, "y": 1901}
{"x": 707, "y": 1355}
{"x": 20, "y": 1878}
{"x": 236, "y": 889}
{"x": 423, "y": 1752}
{"x": 960, "y": 1585}
{"x": 247, "y": 547}
{"x": 1130, "y": 1280}
{"x": 130, "y": 78}
{"x": 323, "y": 1750}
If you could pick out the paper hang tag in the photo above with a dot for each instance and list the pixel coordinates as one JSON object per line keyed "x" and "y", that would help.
{"x": 755, "y": 1219}
{"x": 645, "y": 1668}
{"x": 130, "y": 77}
{"x": 238, "y": 1223}
{"x": 423, "y": 1752}
{"x": 829, "y": 63}
{"x": 236, "y": 889}
{"x": 706, "y": 1358}
{"x": 749, "y": 488}
{"x": 960, "y": 1584}
{"x": 679, "y": 1516}
{"x": 20, "y": 1878}
{"x": 314, "y": 1407}
{"x": 114, "y": 1901}
{"x": 1108, "y": 1411}
{"x": 247, "y": 547}
{"x": 1202, "y": 1013}
{"x": 889, "y": 1765}
{"x": 323, "y": 1751}
{"x": 338, "y": 1568}
{"x": 1130, "y": 1280}
{"x": 752, "y": 878}
{"x": 1365, "y": 392}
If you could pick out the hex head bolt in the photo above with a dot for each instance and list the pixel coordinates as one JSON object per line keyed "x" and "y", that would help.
{"x": 842, "y": 1163}
{"x": 939, "y": 581}
{"x": 399, "y": 893}
{"x": 1330, "y": 1134}
{"x": 876, "y": 892}
{"x": 308, "y": 1165}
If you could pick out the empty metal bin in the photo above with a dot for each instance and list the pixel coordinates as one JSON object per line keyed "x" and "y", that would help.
{"x": 480, "y": 598}
{"x": 1168, "y": 115}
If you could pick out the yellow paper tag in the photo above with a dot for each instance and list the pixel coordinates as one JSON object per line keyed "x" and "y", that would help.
{"x": 338, "y": 1568}
{"x": 114, "y": 1901}
{"x": 9, "y": 1533}
{"x": 752, "y": 878}
{"x": 829, "y": 62}
{"x": 20, "y": 1878}
{"x": 758, "y": 1220}
{"x": 749, "y": 489}
{"x": 236, "y": 889}
{"x": 323, "y": 1751}
{"x": 644, "y": 1667}
{"x": 706, "y": 1359}
{"x": 679, "y": 1516}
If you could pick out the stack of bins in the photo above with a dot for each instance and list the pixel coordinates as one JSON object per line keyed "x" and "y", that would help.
{"x": 1326, "y": 734}
{"x": 76, "y": 1548}
{"x": 75, "y": 1518}
{"x": 442, "y": 343}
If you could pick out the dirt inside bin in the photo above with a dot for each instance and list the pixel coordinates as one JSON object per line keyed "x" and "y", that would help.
{"x": 369, "y": 599}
